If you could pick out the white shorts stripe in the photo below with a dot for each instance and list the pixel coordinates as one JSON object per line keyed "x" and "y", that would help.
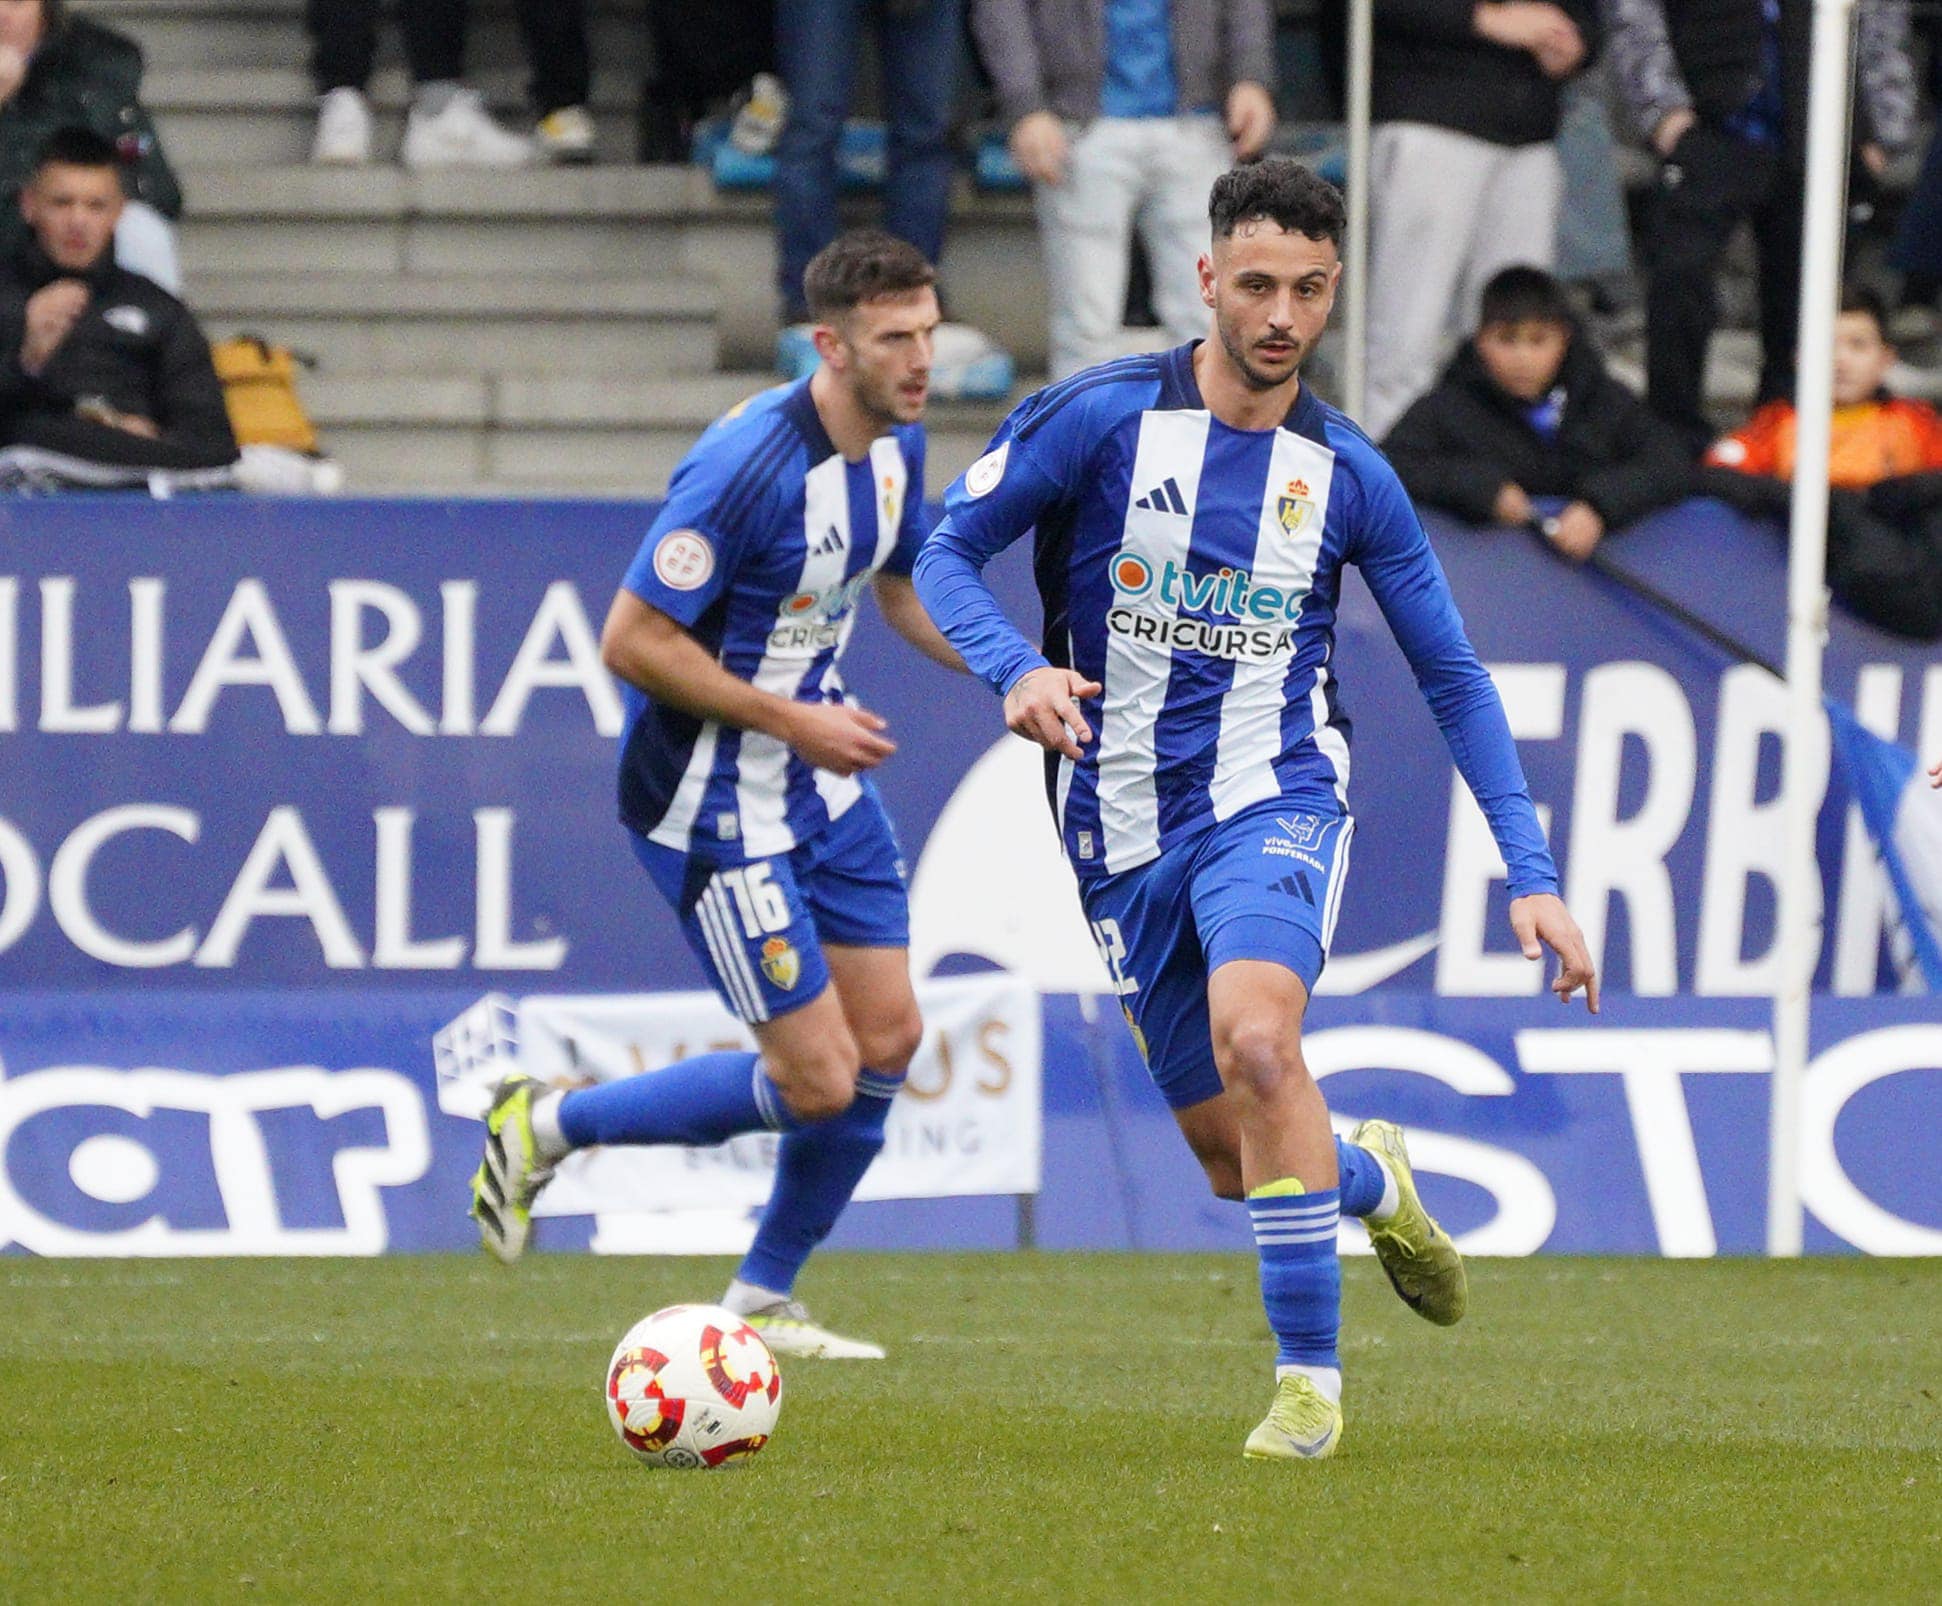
{"x": 717, "y": 925}
{"x": 1338, "y": 875}
{"x": 730, "y": 925}
{"x": 730, "y": 980}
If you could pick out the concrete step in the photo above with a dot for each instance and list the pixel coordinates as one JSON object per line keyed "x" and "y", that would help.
{"x": 457, "y": 432}
{"x": 375, "y": 325}
{"x": 653, "y": 222}
{"x": 270, "y": 33}
{"x": 218, "y": 115}
{"x": 603, "y": 220}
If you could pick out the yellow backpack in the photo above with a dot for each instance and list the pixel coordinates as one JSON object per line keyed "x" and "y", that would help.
{"x": 259, "y": 383}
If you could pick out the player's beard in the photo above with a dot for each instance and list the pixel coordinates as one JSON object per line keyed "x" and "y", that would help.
{"x": 880, "y": 399}
{"x": 1238, "y": 354}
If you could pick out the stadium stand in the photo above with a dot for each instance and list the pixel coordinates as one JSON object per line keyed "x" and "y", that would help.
{"x": 543, "y": 331}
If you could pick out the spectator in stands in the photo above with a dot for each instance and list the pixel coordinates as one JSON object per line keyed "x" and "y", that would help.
{"x": 1718, "y": 90}
{"x": 698, "y": 58}
{"x": 97, "y": 362}
{"x": 1884, "y": 469}
{"x": 1464, "y": 174}
{"x": 919, "y": 43}
{"x": 447, "y": 124}
{"x": 59, "y": 71}
{"x": 1123, "y": 119}
{"x": 1526, "y": 416}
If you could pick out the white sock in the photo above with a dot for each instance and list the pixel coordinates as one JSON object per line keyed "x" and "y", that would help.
{"x": 1328, "y": 1379}
{"x": 547, "y": 1136}
{"x": 743, "y": 1298}
{"x": 1392, "y": 1200}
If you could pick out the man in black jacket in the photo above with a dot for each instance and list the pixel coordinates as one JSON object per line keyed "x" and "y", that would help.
{"x": 97, "y": 362}
{"x": 1464, "y": 175}
{"x": 1526, "y": 415}
{"x": 1718, "y": 90}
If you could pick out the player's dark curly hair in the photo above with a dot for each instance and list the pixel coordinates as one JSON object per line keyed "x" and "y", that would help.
{"x": 861, "y": 266}
{"x": 1282, "y": 191}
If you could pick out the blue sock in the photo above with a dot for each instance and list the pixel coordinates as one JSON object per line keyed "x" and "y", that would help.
{"x": 816, "y": 1172}
{"x": 1362, "y": 1179}
{"x": 1301, "y": 1280}
{"x": 708, "y": 1099}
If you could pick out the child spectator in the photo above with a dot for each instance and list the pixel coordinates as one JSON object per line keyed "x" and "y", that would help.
{"x": 1876, "y": 436}
{"x": 1525, "y": 412}
{"x": 1884, "y": 523}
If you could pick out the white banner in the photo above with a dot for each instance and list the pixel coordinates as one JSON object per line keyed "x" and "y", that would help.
{"x": 967, "y": 1122}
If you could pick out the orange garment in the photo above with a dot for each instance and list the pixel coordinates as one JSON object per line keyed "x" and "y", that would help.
{"x": 1873, "y": 440}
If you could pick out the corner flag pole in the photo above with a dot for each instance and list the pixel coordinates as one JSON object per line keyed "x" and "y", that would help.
{"x": 1802, "y": 896}
{"x": 1355, "y": 260}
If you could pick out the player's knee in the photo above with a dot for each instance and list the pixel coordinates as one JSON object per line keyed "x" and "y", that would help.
{"x": 889, "y": 1045}
{"x": 1257, "y": 1059}
{"x": 819, "y": 1084}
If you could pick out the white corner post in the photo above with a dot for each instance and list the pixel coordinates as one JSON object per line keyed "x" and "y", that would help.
{"x": 1355, "y": 255}
{"x": 1829, "y": 88}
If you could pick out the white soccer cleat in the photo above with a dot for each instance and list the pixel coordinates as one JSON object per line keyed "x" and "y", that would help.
{"x": 343, "y": 137}
{"x": 787, "y": 1328}
{"x": 462, "y": 135}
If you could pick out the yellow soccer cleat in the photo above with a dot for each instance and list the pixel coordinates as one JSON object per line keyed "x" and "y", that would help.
{"x": 510, "y": 1176}
{"x": 1423, "y": 1264}
{"x": 1303, "y": 1424}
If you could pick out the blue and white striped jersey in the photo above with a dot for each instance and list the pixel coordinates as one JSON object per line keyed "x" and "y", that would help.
{"x": 764, "y": 544}
{"x": 1193, "y": 569}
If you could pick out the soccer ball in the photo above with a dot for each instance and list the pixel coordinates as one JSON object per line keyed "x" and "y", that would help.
{"x": 693, "y": 1386}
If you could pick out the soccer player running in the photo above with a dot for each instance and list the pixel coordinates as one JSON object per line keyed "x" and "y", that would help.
{"x": 744, "y": 790}
{"x": 1193, "y": 512}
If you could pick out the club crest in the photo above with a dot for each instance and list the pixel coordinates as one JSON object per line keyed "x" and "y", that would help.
{"x": 781, "y": 963}
{"x": 1294, "y": 509}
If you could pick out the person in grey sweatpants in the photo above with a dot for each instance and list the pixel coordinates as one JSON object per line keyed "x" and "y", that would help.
{"x": 1125, "y": 113}
{"x": 1464, "y": 175}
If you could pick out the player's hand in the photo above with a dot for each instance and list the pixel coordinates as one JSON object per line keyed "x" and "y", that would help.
{"x": 1575, "y": 532}
{"x": 1043, "y": 707}
{"x": 1250, "y": 118}
{"x": 1512, "y": 506}
{"x": 1038, "y": 147}
{"x": 1935, "y": 773}
{"x": 838, "y": 737}
{"x": 51, "y": 312}
{"x": 1541, "y": 921}
{"x": 1875, "y": 159}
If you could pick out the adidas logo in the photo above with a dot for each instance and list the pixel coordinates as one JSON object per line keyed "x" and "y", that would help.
{"x": 1296, "y": 886}
{"x": 832, "y": 541}
{"x": 1164, "y": 498}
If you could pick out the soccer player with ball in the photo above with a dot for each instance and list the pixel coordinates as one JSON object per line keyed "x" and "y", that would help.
{"x": 1193, "y": 510}
{"x": 744, "y": 789}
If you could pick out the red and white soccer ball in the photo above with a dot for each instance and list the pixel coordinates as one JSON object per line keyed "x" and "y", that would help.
{"x": 693, "y": 1386}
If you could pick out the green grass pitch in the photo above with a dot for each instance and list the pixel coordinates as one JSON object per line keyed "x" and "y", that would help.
{"x": 1048, "y": 1427}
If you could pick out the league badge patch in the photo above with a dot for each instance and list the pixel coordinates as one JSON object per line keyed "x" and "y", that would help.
{"x": 683, "y": 560}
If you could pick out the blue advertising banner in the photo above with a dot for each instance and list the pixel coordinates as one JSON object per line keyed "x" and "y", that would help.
{"x": 289, "y": 786}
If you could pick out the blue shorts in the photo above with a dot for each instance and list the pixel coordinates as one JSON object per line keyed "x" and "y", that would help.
{"x": 758, "y": 926}
{"x": 1263, "y": 884}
